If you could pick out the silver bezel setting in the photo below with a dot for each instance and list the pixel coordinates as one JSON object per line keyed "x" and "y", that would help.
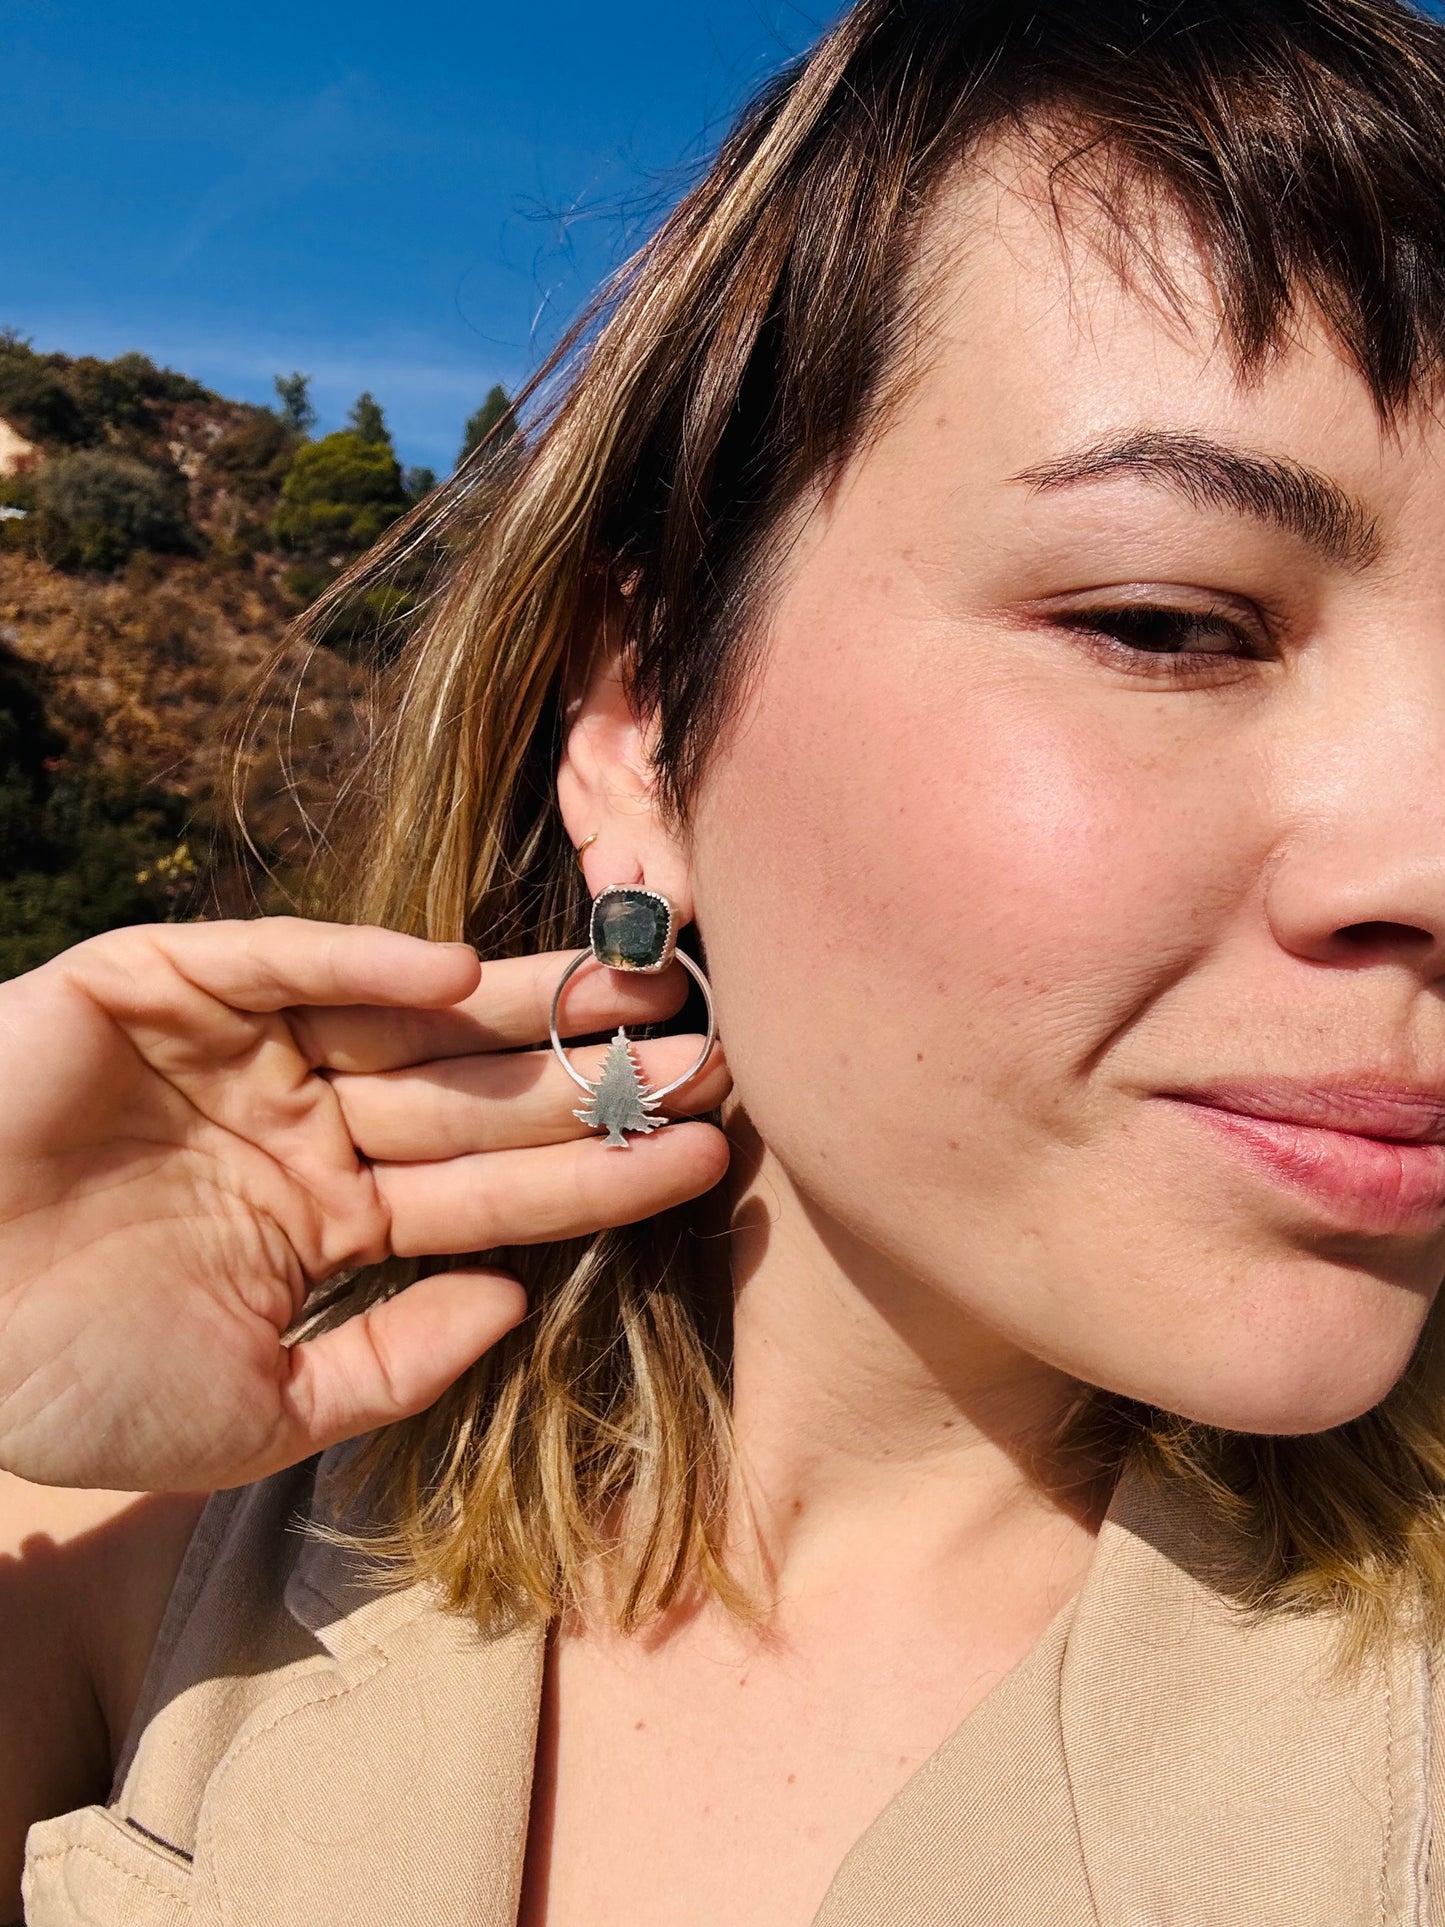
{"x": 669, "y": 942}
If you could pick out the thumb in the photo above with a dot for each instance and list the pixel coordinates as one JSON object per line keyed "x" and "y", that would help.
{"x": 395, "y": 1358}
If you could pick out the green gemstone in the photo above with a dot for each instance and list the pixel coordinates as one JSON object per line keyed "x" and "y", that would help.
{"x": 630, "y": 928}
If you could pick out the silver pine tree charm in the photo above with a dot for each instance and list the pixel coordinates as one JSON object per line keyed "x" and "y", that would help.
{"x": 620, "y": 1100}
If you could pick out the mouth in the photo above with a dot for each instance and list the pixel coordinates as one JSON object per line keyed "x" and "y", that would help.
{"x": 1371, "y": 1156}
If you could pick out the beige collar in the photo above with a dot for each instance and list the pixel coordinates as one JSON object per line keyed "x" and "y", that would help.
{"x": 1221, "y": 1767}
{"x": 1159, "y": 1761}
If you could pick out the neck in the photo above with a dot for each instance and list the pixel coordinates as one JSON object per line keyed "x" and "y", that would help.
{"x": 871, "y": 1408}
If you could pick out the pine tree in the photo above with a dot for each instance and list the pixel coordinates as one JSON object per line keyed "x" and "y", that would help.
{"x": 367, "y": 421}
{"x": 496, "y": 414}
{"x": 620, "y": 1100}
{"x": 294, "y": 394}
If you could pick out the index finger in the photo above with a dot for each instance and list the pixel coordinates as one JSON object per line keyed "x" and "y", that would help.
{"x": 265, "y": 964}
{"x": 507, "y": 1011}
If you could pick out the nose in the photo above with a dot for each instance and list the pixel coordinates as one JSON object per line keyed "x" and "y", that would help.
{"x": 1359, "y": 875}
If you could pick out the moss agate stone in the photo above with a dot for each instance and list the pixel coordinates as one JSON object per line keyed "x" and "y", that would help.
{"x": 631, "y": 929}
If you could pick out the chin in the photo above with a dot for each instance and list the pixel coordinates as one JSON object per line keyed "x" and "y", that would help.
{"x": 1282, "y": 1347}
{"x": 1292, "y": 1397}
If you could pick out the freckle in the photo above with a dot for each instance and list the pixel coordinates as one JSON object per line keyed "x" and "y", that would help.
{"x": 953, "y": 1144}
{"x": 792, "y": 1779}
{"x": 639, "y": 1726}
{"x": 948, "y": 1424}
{"x": 903, "y": 1759}
{"x": 744, "y": 1680}
{"x": 797, "y": 1506}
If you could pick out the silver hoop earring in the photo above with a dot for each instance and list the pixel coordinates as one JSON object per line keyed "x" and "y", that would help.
{"x": 632, "y": 928}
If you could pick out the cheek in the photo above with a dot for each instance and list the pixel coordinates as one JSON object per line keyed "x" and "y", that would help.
{"x": 947, "y": 916}
{"x": 947, "y": 876}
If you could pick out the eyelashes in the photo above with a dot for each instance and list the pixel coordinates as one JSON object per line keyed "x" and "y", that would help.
{"x": 1154, "y": 639}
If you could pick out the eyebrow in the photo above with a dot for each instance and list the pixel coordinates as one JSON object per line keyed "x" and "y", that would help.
{"x": 1268, "y": 488}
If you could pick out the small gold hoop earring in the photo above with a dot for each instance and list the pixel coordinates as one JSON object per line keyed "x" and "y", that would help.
{"x": 582, "y": 846}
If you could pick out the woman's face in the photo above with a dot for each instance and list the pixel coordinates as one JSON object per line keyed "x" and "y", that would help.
{"x": 1091, "y": 794}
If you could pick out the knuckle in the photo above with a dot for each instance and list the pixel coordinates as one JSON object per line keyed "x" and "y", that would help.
{"x": 128, "y": 971}
{"x": 308, "y": 1028}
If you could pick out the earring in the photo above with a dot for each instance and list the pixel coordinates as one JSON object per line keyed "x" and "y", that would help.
{"x": 632, "y": 928}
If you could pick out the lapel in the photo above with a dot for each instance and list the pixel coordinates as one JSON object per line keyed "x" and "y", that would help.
{"x": 983, "y": 1834}
{"x": 1224, "y": 1769}
{"x": 389, "y": 1780}
{"x": 1160, "y": 1760}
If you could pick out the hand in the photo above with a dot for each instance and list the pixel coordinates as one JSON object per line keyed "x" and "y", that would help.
{"x": 200, "y": 1122}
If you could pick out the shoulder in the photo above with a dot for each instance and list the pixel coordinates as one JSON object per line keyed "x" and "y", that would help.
{"x": 84, "y": 1579}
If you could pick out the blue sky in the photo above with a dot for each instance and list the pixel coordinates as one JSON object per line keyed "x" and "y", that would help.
{"x": 410, "y": 199}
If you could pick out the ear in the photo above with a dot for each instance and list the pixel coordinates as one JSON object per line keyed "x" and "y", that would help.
{"x": 605, "y": 783}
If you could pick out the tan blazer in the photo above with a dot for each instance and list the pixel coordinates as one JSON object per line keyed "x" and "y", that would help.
{"x": 314, "y": 1752}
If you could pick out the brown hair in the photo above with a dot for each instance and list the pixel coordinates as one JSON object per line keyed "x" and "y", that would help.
{"x": 726, "y": 370}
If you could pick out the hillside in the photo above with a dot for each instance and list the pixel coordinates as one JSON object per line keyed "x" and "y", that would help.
{"x": 156, "y": 540}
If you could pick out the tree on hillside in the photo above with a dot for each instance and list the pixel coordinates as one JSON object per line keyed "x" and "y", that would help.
{"x": 367, "y": 421}
{"x": 495, "y": 414}
{"x": 338, "y": 496}
{"x": 294, "y": 394}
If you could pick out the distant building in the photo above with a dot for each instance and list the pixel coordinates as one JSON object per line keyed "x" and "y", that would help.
{"x": 16, "y": 454}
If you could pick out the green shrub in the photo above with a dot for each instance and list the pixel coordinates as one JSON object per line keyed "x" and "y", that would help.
{"x": 338, "y": 496}
{"x": 36, "y": 401}
{"x": 304, "y": 581}
{"x": 95, "y": 509}
{"x": 373, "y": 625}
{"x": 116, "y": 397}
{"x": 78, "y": 401}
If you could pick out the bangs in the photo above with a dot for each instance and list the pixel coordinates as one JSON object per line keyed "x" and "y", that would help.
{"x": 1265, "y": 130}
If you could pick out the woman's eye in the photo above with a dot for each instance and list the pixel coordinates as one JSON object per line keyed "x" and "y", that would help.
{"x": 1143, "y": 630}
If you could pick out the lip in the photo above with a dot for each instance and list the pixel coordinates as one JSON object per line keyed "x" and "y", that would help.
{"x": 1373, "y": 1155}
